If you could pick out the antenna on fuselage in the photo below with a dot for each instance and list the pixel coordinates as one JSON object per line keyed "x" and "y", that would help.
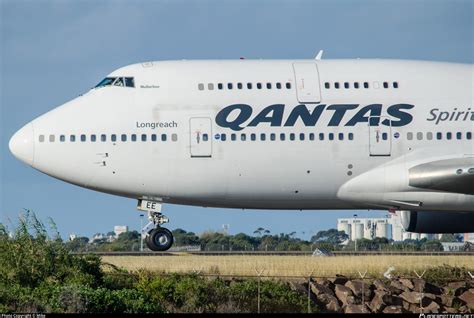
{"x": 320, "y": 55}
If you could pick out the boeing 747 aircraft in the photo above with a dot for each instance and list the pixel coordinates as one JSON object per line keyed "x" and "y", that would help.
{"x": 392, "y": 135}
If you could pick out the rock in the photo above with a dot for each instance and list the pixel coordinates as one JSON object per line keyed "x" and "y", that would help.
{"x": 449, "y": 310}
{"x": 377, "y": 304}
{"x": 420, "y": 285}
{"x": 397, "y": 287}
{"x": 432, "y": 308}
{"x": 380, "y": 285}
{"x": 468, "y": 298}
{"x": 325, "y": 282}
{"x": 393, "y": 310}
{"x": 414, "y": 298}
{"x": 463, "y": 309}
{"x": 407, "y": 283}
{"x": 356, "y": 309}
{"x": 455, "y": 288}
{"x": 447, "y": 300}
{"x": 344, "y": 294}
{"x": 318, "y": 289}
{"x": 357, "y": 287}
{"x": 330, "y": 302}
{"x": 339, "y": 279}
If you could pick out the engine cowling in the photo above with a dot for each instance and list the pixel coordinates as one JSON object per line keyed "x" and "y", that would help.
{"x": 437, "y": 222}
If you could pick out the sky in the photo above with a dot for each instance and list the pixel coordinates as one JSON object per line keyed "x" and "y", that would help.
{"x": 52, "y": 51}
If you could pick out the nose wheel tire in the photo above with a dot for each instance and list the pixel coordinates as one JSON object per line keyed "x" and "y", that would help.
{"x": 159, "y": 239}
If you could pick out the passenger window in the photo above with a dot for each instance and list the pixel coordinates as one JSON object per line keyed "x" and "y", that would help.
{"x": 174, "y": 137}
{"x": 133, "y": 137}
{"x": 292, "y": 136}
{"x": 239, "y": 85}
{"x": 41, "y": 138}
{"x": 351, "y": 136}
{"x": 113, "y": 137}
{"x": 243, "y": 137}
{"x": 259, "y": 85}
{"x": 103, "y": 137}
{"x": 469, "y": 135}
{"x": 201, "y": 86}
{"x": 205, "y": 137}
{"x": 233, "y": 137}
{"x": 269, "y": 85}
{"x": 282, "y": 136}
{"x": 321, "y": 136}
{"x": 439, "y": 136}
{"x": 83, "y": 138}
{"x": 366, "y": 84}
{"x": 327, "y": 85}
{"x": 272, "y": 137}
{"x": 223, "y": 137}
{"x": 395, "y": 85}
{"x": 124, "y": 137}
{"x": 62, "y": 138}
{"x": 278, "y": 85}
{"x": 356, "y": 85}
{"x": 311, "y": 136}
{"x": 449, "y": 136}
{"x": 384, "y": 136}
{"x": 262, "y": 137}
{"x": 93, "y": 138}
{"x": 51, "y": 138}
{"x": 336, "y": 85}
{"x": 253, "y": 137}
{"x": 143, "y": 137}
{"x": 331, "y": 136}
{"x": 346, "y": 85}
{"x": 249, "y": 85}
{"x": 385, "y": 85}
{"x": 229, "y": 85}
{"x": 410, "y": 136}
{"x": 458, "y": 135}
{"x": 288, "y": 85}
{"x": 72, "y": 138}
{"x": 301, "y": 136}
{"x": 153, "y": 137}
{"x": 341, "y": 136}
{"x": 163, "y": 137}
{"x": 429, "y": 135}
{"x": 220, "y": 86}
{"x": 129, "y": 82}
{"x": 210, "y": 86}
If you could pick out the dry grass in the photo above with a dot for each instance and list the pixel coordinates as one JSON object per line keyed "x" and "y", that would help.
{"x": 239, "y": 265}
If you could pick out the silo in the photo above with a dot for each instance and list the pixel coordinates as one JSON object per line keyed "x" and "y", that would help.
{"x": 345, "y": 227}
{"x": 358, "y": 230}
{"x": 381, "y": 229}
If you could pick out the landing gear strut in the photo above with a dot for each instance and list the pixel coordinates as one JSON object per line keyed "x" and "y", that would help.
{"x": 157, "y": 238}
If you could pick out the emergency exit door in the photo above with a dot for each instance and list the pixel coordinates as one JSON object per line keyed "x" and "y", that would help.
{"x": 380, "y": 137}
{"x": 307, "y": 82}
{"x": 200, "y": 137}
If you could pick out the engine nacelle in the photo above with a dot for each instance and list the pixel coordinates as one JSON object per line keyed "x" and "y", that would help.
{"x": 437, "y": 222}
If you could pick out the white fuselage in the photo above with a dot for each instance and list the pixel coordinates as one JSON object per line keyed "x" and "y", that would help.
{"x": 378, "y": 133}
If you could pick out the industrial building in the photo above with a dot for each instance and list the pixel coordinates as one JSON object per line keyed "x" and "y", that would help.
{"x": 370, "y": 228}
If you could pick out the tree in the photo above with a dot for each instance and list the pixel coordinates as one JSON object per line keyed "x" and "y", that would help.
{"x": 332, "y": 236}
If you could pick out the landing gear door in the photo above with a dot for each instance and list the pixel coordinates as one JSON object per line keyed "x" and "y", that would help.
{"x": 200, "y": 137}
{"x": 307, "y": 82}
{"x": 380, "y": 137}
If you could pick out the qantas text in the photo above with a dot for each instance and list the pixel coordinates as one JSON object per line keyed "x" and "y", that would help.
{"x": 236, "y": 116}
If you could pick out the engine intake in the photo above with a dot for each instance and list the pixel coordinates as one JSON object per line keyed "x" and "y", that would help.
{"x": 437, "y": 222}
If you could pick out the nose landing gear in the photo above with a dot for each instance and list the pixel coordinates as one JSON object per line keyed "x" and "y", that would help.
{"x": 157, "y": 238}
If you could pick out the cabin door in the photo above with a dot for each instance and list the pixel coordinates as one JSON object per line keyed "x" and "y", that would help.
{"x": 380, "y": 137}
{"x": 200, "y": 137}
{"x": 307, "y": 82}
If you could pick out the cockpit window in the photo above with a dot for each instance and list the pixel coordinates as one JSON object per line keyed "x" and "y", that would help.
{"x": 117, "y": 81}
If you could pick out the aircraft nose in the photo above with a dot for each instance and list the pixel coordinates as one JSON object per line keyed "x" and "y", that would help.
{"x": 22, "y": 144}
